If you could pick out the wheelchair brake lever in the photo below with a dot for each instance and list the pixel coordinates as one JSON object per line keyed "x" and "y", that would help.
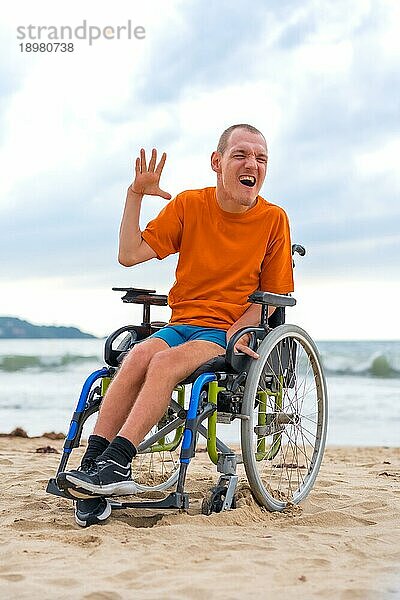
{"x": 237, "y": 382}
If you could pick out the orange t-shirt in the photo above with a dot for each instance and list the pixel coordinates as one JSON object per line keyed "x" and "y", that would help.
{"x": 223, "y": 256}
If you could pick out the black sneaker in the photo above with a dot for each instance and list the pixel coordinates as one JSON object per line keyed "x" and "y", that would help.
{"x": 92, "y": 511}
{"x": 103, "y": 478}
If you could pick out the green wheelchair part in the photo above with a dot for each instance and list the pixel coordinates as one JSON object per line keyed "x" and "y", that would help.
{"x": 262, "y": 396}
{"x": 213, "y": 389}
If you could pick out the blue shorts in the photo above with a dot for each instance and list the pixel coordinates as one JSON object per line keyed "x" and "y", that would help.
{"x": 175, "y": 335}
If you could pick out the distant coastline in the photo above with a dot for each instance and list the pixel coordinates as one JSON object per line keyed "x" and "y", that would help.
{"x": 14, "y": 328}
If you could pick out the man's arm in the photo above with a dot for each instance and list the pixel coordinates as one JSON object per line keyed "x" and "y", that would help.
{"x": 132, "y": 248}
{"x": 252, "y": 316}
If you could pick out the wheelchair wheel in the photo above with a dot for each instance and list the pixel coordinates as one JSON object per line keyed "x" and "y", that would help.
{"x": 156, "y": 466}
{"x": 285, "y": 400}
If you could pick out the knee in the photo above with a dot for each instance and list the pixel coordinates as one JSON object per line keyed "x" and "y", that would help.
{"x": 137, "y": 360}
{"x": 162, "y": 365}
{"x": 134, "y": 363}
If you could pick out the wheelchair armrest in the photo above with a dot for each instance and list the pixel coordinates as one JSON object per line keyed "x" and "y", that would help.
{"x": 142, "y": 296}
{"x": 111, "y": 355}
{"x": 240, "y": 361}
{"x": 271, "y": 299}
{"x": 132, "y": 290}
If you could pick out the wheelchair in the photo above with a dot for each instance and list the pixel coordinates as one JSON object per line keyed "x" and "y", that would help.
{"x": 279, "y": 399}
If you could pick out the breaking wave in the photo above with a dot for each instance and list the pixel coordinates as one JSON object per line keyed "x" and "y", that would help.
{"x": 338, "y": 361}
{"x": 378, "y": 365}
{"x": 17, "y": 362}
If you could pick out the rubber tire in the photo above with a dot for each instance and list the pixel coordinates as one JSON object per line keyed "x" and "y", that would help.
{"x": 260, "y": 492}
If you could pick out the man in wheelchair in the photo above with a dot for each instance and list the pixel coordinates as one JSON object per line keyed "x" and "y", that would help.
{"x": 231, "y": 242}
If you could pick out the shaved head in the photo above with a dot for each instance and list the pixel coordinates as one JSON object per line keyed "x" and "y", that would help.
{"x": 224, "y": 139}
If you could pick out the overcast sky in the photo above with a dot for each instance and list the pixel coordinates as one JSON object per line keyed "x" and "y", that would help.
{"x": 319, "y": 78}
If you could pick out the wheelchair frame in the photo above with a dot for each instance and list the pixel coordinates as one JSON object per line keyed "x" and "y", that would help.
{"x": 219, "y": 393}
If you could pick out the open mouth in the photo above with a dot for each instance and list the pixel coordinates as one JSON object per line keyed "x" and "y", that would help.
{"x": 248, "y": 180}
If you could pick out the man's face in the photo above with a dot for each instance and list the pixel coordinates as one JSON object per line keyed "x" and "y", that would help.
{"x": 242, "y": 167}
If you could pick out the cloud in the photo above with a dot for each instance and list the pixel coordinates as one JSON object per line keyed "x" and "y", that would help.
{"x": 320, "y": 79}
{"x": 206, "y": 45}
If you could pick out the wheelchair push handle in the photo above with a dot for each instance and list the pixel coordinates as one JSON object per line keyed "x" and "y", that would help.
{"x": 299, "y": 249}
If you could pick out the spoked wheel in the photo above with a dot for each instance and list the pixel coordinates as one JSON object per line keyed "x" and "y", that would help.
{"x": 285, "y": 400}
{"x": 156, "y": 467}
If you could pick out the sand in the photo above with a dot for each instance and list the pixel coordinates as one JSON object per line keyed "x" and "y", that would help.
{"x": 342, "y": 542}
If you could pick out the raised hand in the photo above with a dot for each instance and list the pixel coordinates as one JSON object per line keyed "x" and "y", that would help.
{"x": 147, "y": 178}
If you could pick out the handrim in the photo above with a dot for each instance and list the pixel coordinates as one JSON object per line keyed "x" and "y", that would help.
{"x": 281, "y": 460}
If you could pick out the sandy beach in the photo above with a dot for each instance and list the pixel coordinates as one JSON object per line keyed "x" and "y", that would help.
{"x": 342, "y": 542}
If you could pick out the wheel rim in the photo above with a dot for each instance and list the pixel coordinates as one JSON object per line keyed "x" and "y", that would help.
{"x": 155, "y": 471}
{"x": 285, "y": 400}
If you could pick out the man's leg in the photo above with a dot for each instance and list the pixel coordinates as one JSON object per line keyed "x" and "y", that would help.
{"x": 126, "y": 386}
{"x": 165, "y": 370}
{"x": 113, "y": 411}
{"x": 112, "y": 473}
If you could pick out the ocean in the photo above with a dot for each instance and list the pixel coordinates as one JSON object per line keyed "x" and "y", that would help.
{"x": 40, "y": 382}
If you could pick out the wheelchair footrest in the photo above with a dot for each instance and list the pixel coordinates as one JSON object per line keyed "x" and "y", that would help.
{"x": 52, "y": 488}
{"x": 173, "y": 500}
